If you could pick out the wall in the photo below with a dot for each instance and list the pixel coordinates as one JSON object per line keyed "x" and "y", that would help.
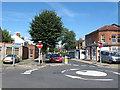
{"x": 108, "y": 35}
{"x": 4, "y": 47}
{"x": 25, "y": 52}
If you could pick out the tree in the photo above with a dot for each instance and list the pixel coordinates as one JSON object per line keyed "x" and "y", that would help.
{"x": 46, "y": 27}
{"x": 68, "y": 39}
{"x": 56, "y": 50}
{"x": 6, "y": 36}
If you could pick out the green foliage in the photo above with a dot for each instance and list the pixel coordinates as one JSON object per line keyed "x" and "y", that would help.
{"x": 63, "y": 54}
{"x": 6, "y": 36}
{"x": 68, "y": 39}
{"x": 46, "y": 27}
{"x": 56, "y": 50}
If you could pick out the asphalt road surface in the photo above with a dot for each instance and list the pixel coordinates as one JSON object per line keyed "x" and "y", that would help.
{"x": 76, "y": 75}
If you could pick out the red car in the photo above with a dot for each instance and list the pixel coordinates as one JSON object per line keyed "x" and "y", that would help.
{"x": 55, "y": 58}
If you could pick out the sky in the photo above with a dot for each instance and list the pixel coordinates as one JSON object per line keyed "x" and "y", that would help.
{"x": 81, "y": 17}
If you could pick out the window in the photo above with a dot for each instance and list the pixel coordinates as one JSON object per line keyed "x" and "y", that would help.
{"x": 113, "y": 38}
{"x": 16, "y": 51}
{"x": 9, "y": 50}
{"x": 118, "y": 38}
{"x": 103, "y": 37}
{"x": 119, "y": 50}
{"x": 114, "y": 49}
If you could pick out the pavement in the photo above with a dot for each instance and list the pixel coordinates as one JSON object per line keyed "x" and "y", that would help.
{"x": 33, "y": 63}
{"x": 30, "y": 64}
{"x": 117, "y": 66}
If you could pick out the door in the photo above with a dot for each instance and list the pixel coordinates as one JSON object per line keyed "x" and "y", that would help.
{"x": 31, "y": 53}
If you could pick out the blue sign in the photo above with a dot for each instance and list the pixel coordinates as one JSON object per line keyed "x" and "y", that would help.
{"x": 17, "y": 43}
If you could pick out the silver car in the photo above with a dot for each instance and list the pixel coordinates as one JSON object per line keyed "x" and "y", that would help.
{"x": 110, "y": 57}
{"x": 9, "y": 59}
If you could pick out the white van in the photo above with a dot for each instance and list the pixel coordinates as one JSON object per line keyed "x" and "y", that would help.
{"x": 110, "y": 57}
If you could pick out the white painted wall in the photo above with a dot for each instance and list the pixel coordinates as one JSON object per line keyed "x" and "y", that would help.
{"x": 18, "y": 40}
{"x": 82, "y": 56}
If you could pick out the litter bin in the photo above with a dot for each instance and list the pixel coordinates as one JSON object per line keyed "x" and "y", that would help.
{"x": 66, "y": 59}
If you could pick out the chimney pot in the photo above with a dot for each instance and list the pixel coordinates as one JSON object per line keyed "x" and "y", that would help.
{"x": 18, "y": 34}
{"x": 22, "y": 38}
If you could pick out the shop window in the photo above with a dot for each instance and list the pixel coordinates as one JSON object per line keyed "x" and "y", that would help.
{"x": 118, "y": 50}
{"x": 103, "y": 37}
{"x": 113, "y": 38}
{"x": 114, "y": 49}
{"x": 9, "y": 51}
{"x": 17, "y": 51}
{"x": 118, "y": 38}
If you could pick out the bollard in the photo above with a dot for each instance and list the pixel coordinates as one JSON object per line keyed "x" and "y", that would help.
{"x": 66, "y": 59}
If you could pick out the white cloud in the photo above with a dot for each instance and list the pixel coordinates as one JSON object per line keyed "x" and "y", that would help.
{"x": 9, "y": 31}
{"x": 16, "y": 32}
{"x": 62, "y": 10}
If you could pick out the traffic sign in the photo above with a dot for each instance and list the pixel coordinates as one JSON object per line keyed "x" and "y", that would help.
{"x": 17, "y": 44}
{"x": 100, "y": 44}
{"x": 39, "y": 45}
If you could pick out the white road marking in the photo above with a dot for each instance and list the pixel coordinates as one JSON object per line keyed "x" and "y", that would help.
{"x": 63, "y": 71}
{"x": 29, "y": 71}
{"x": 75, "y": 65}
{"x": 91, "y": 66}
{"x": 76, "y": 77}
{"x": 83, "y": 65}
{"x": 73, "y": 69}
{"x": 91, "y": 73}
{"x": 88, "y": 73}
{"x": 113, "y": 72}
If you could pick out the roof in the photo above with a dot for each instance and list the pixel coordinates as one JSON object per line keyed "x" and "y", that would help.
{"x": 109, "y": 27}
{"x": 106, "y": 27}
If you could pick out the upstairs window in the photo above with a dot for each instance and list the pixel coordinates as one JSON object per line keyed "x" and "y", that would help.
{"x": 103, "y": 37}
{"x": 118, "y": 38}
{"x": 113, "y": 38}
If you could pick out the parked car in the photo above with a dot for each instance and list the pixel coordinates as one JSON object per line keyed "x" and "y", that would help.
{"x": 55, "y": 58}
{"x": 9, "y": 59}
{"x": 110, "y": 57}
{"x": 47, "y": 56}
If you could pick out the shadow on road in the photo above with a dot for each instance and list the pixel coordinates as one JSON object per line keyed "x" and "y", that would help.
{"x": 47, "y": 61}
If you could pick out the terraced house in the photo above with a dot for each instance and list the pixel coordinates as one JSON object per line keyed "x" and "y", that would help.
{"x": 109, "y": 35}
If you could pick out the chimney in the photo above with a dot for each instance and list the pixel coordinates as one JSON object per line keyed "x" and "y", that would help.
{"x": 18, "y": 34}
{"x": 22, "y": 38}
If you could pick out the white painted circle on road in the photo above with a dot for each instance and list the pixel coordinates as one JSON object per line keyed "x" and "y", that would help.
{"x": 91, "y": 73}
{"x": 86, "y": 73}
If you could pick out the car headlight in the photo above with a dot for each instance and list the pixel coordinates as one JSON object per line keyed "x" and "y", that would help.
{"x": 113, "y": 59}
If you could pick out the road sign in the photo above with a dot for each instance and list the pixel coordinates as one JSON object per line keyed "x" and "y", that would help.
{"x": 100, "y": 44}
{"x": 39, "y": 45}
{"x": 17, "y": 44}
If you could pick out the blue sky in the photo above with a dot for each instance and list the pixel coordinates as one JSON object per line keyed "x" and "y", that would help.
{"x": 81, "y": 17}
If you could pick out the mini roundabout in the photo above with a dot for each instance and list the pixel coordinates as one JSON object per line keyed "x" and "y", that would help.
{"x": 93, "y": 75}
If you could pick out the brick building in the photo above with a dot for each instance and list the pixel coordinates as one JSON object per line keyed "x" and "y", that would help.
{"x": 109, "y": 35}
{"x": 32, "y": 51}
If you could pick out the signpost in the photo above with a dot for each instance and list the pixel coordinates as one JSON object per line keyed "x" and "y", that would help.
{"x": 100, "y": 46}
{"x": 39, "y": 45}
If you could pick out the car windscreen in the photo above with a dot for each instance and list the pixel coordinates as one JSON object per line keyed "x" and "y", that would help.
{"x": 115, "y": 54}
{"x": 9, "y": 55}
{"x": 47, "y": 54}
{"x": 56, "y": 55}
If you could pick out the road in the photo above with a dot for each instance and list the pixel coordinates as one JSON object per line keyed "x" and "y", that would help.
{"x": 76, "y": 75}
